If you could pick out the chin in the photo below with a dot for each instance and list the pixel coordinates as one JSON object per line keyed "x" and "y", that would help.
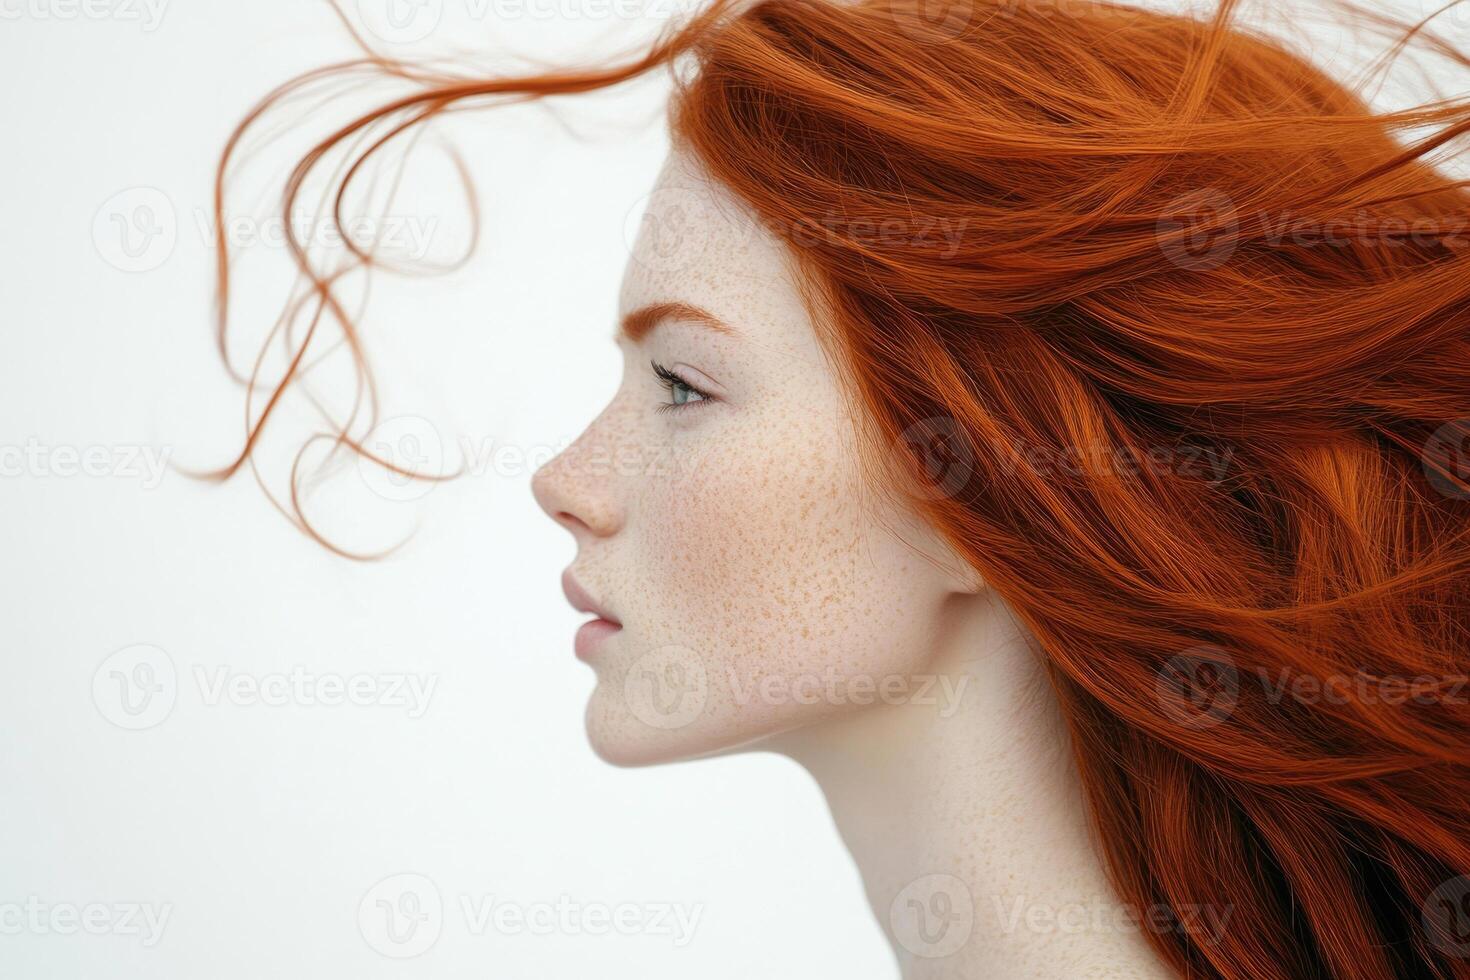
{"x": 622, "y": 738}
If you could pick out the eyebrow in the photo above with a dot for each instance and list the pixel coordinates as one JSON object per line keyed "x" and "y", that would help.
{"x": 640, "y": 322}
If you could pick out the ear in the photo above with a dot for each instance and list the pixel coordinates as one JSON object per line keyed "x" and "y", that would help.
{"x": 965, "y": 579}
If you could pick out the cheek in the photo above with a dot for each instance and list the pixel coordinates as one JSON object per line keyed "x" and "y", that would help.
{"x": 763, "y": 559}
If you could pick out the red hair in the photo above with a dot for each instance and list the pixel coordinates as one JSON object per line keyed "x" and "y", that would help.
{"x": 1197, "y": 365}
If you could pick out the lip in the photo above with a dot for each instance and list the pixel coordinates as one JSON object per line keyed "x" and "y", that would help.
{"x": 594, "y": 632}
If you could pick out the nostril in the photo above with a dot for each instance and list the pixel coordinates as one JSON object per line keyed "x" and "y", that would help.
{"x": 571, "y": 520}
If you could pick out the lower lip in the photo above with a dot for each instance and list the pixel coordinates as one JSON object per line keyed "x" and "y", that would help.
{"x": 592, "y": 635}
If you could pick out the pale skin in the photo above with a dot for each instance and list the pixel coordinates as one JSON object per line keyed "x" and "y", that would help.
{"x": 770, "y": 600}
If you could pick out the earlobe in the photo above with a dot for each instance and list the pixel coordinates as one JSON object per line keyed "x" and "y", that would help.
{"x": 958, "y": 576}
{"x": 962, "y": 578}
{"x": 967, "y": 581}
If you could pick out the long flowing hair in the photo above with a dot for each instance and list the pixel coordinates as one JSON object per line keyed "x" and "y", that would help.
{"x": 1168, "y": 333}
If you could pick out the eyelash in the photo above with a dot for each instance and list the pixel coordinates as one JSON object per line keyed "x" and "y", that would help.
{"x": 670, "y": 380}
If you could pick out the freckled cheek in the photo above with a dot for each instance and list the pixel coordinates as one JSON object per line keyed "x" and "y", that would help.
{"x": 752, "y": 549}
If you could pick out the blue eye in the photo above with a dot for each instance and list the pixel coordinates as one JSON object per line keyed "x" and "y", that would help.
{"x": 682, "y": 394}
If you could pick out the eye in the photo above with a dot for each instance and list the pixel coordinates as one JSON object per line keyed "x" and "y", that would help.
{"x": 682, "y": 394}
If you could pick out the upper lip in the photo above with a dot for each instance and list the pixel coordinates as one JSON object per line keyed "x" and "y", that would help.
{"x": 581, "y": 601}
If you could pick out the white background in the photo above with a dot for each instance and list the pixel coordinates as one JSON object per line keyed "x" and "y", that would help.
{"x": 261, "y": 828}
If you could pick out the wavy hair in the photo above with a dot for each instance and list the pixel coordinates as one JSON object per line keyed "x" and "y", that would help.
{"x": 1167, "y": 333}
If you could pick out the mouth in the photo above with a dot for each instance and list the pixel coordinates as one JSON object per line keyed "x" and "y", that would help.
{"x": 591, "y": 635}
{"x": 595, "y": 632}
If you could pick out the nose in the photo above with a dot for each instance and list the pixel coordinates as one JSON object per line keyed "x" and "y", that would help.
{"x": 575, "y": 493}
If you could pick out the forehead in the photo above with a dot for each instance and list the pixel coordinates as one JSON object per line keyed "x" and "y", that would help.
{"x": 698, "y": 244}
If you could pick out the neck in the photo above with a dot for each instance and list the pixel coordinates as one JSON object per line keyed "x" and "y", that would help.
{"x": 965, "y": 815}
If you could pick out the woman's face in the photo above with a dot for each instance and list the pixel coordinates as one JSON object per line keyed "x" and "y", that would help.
{"x": 720, "y": 518}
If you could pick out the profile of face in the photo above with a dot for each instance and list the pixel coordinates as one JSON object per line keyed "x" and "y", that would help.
{"x": 718, "y": 509}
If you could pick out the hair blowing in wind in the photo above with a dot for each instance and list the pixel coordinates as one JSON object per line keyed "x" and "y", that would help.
{"x": 1195, "y": 352}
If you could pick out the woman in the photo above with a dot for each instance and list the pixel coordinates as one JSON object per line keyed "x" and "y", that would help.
{"x": 1061, "y": 415}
